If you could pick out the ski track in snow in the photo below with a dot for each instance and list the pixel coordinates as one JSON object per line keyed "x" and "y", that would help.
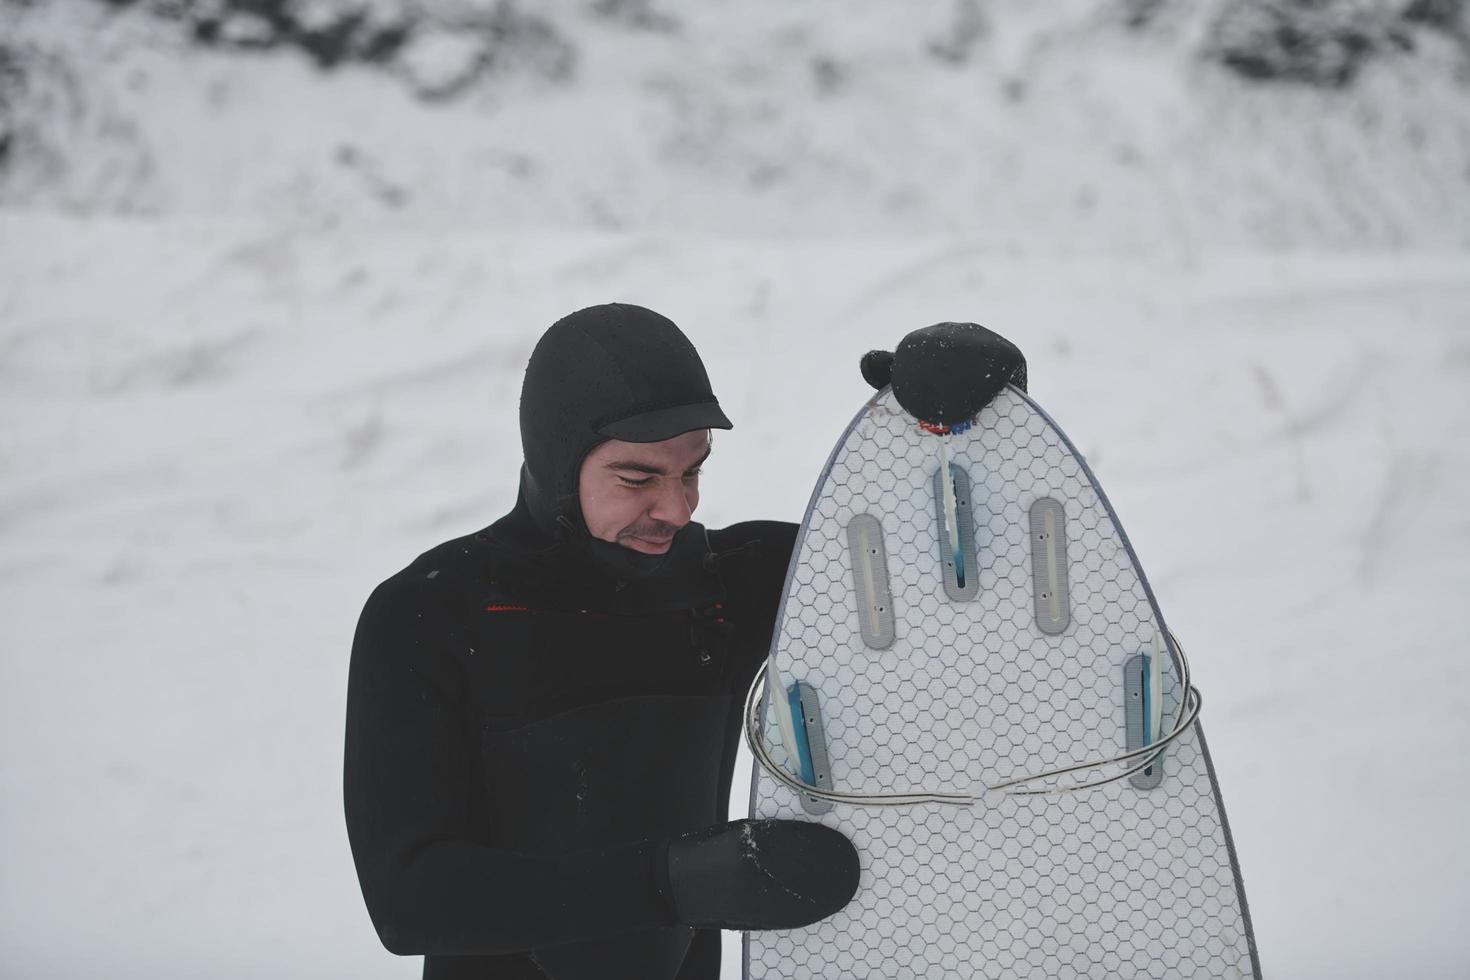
{"x": 221, "y": 435}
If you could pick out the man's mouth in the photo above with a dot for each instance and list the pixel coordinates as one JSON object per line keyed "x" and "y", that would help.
{"x": 658, "y": 543}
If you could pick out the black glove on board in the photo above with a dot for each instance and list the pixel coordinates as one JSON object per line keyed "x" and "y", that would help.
{"x": 946, "y": 373}
{"x": 761, "y": 874}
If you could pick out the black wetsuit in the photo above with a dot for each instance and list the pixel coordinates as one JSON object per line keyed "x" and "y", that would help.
{"x": 523, "y": 731}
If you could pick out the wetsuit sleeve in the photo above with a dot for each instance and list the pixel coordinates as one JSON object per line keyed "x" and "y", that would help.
{"x": 411, "y": 785}
{"x": 760, "y": 584}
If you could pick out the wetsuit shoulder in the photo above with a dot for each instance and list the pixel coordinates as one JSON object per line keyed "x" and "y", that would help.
{"x": 461, "y": 558}
{"x": 769, "y": 543}
{"x": 753, "y": 558}
{"x": 460, "y": 575}
{"x": 776, "y": 532}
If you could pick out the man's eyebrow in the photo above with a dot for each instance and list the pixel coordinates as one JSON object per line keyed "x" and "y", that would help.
{"x": 619, "y": 464}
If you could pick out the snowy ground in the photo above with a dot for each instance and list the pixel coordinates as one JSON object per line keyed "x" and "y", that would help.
{"x": 218, "y": 436}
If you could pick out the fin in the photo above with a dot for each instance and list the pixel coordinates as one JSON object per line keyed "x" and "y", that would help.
{"x": 782, "y": 709}
{"x": 811, "y": 740}
{"x": 960, "y": 566}
{"x": 1141, "y": 696}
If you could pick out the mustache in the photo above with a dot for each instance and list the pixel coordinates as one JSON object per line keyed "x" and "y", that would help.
{"x": 657, "y": 532}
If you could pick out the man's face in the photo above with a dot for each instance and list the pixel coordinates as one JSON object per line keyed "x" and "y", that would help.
{"x": 637, "y": 494}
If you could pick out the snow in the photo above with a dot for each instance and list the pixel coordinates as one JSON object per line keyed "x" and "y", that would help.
{"x": 223, "y": 434}
{"x": 262, "y": 332}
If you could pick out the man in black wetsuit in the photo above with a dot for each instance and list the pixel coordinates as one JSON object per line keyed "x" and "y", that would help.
{"x": 542, "y": 716}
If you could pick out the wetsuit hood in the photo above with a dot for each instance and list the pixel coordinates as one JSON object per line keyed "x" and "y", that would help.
{"x": 614, "y": 371}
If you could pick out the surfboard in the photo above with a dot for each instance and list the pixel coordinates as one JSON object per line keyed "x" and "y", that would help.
{"x": 940, "y": 640}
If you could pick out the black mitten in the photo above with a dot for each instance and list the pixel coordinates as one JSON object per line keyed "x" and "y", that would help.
{"x": 946, "y": 373}
{"x": 761, "y": 874}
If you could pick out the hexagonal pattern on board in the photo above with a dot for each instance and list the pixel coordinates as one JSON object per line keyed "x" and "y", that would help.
{"x": 1105, "y": 882}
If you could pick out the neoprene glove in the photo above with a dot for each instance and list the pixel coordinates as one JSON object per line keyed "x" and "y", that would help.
{"x": 760, "y": 874}
{"x": 946, "y": 373}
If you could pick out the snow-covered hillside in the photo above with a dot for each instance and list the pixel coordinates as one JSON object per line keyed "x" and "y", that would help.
{"x": 1077, "y": 125}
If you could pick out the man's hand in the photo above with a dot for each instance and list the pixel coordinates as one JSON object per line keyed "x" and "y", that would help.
{"x": 761, "y": 874}
{"x": 946, "y": 373}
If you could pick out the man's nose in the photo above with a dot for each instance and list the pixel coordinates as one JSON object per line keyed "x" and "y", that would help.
{"x": 671, "y": 506}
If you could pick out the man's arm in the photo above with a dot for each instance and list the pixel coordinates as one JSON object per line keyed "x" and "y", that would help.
{"x": 761, "y": 579}
{"x": 411, "y": 777}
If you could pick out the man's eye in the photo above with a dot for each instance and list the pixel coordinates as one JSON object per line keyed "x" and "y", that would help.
{"x": 636, "y": 483}
{"x": 691, "y": 476}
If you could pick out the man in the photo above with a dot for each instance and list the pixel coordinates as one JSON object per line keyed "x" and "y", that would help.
{"x": 542, "y": 716}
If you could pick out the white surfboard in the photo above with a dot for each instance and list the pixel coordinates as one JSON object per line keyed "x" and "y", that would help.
{"x": 912, "y": 669}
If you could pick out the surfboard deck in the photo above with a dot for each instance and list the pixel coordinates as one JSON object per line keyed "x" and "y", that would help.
{"x": 918, "y": 676}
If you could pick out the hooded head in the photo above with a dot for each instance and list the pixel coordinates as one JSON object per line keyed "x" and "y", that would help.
{"x": 614, "y": 371}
